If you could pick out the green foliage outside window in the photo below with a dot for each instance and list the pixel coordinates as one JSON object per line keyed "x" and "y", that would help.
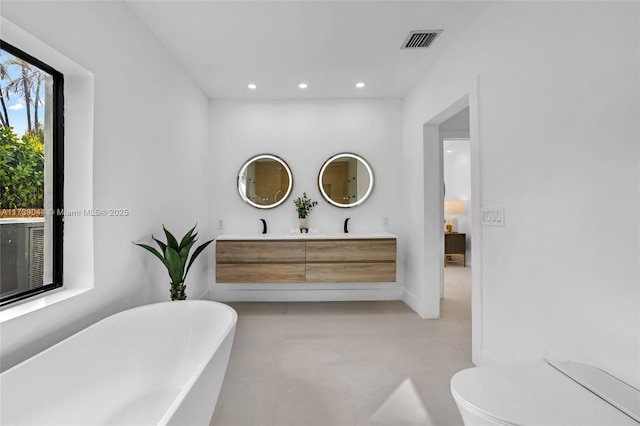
{"x": 21, "y": 170}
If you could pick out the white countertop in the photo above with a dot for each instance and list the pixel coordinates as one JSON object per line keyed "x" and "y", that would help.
{"x": 312, "y": 236}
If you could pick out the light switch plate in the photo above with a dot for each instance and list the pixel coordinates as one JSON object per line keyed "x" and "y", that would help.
{"x": 492, "y": 216}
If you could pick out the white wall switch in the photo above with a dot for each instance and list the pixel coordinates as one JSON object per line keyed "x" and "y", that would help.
{"x": 492, "y": 216}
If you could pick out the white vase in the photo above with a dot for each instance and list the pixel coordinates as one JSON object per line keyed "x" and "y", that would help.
{"x": 304, "y": 224}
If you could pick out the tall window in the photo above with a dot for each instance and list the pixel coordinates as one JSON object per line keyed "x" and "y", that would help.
{"x": 31, "y": 175}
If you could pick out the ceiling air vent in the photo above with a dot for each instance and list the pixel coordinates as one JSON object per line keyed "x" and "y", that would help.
{"x": 420, "y": 39}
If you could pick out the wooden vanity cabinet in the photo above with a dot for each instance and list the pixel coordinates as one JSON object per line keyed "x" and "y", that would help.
{"x": 340, "y": 261}
{"x": 299, "y": 261}
{"x": 260, "y": 261}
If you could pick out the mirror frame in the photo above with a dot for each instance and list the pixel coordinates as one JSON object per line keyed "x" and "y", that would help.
{"x": 349, "y": 155}
{"x": 243, "y": 169}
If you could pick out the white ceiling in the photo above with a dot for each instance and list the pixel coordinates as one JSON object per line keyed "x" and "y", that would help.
{"x": 330, "y": 45}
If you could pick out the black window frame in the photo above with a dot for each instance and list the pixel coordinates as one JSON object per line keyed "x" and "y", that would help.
{"x": 57, "y": 164}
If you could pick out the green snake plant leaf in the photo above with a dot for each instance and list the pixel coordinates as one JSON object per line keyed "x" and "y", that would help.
{"x": 184, "y": 254}
{"x": 154, "y": 251}
{"x": 196, "y": 253}
{"x": 174, "y": 265}
{"x": 171, "y": 240}
{"x": 188, "y": 238}
{"x": 162, "y": 245}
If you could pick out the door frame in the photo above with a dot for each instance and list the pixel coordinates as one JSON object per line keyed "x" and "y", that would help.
{"x": 434, "y": 202}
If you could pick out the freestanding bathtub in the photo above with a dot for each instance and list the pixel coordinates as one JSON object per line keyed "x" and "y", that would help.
{"x": 156, "y": 364}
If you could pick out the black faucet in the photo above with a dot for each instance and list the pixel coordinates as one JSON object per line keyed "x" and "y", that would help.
{"x": 346, "y": 227}
{"x": 264, "y": 226}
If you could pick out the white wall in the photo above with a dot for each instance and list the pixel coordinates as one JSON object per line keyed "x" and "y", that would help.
{"x": 558, "y": 146}
{"x": 305, "y": 134}
{"x": 146, "y": 154}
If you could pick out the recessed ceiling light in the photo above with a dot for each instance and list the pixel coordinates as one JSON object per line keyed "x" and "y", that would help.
{"x": 252, "y": 86}
{"x": 303, "y": 85}
{"x": 449, "y": 151}
{"x": 360, "y": 85}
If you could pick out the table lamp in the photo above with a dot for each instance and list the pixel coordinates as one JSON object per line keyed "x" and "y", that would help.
{"x": 452, "y": 209}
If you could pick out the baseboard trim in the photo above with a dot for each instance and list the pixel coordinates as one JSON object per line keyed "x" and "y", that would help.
{"x": 412, "y": 301}
{"x": 308, "y": 295}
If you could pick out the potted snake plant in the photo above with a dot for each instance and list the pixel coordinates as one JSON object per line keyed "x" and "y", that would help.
{"x": 175, "y": 257}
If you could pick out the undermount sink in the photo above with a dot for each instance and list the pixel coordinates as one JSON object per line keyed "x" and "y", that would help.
{"x": 287, "y": 236}
{"x": 303, "y": 235}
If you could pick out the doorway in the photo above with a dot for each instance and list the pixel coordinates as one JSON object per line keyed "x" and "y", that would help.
{"x": 434, "y": 226}
{"x": 456, "y": 168}
{"x": 457, "y": 219}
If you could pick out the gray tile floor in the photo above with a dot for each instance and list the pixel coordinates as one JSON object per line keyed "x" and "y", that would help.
{"x": 347, "y": 363}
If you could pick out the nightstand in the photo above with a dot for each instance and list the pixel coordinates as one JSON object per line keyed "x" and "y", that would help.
{"x": 455, "y": 245}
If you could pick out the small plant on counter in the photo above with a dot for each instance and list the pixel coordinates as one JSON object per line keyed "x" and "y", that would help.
{"x": 304, "y": 205}
{"x": 174, "y": 257}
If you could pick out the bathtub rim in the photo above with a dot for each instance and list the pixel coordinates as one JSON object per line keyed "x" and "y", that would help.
{"x": 95, "y": 324}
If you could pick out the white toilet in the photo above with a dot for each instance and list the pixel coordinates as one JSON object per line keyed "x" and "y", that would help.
{"x": 544, "y": 393}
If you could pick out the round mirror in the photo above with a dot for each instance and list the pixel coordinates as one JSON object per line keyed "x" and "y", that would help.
{"x": 346, "y": 180}
{"x": 265, "y": 181}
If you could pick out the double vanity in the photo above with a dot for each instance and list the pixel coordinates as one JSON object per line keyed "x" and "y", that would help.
{"x": 306, "y": 258}
{"x": 306, "y": 266}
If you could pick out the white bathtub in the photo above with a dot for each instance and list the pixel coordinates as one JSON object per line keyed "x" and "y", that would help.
{"x": 155, "y": 364}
